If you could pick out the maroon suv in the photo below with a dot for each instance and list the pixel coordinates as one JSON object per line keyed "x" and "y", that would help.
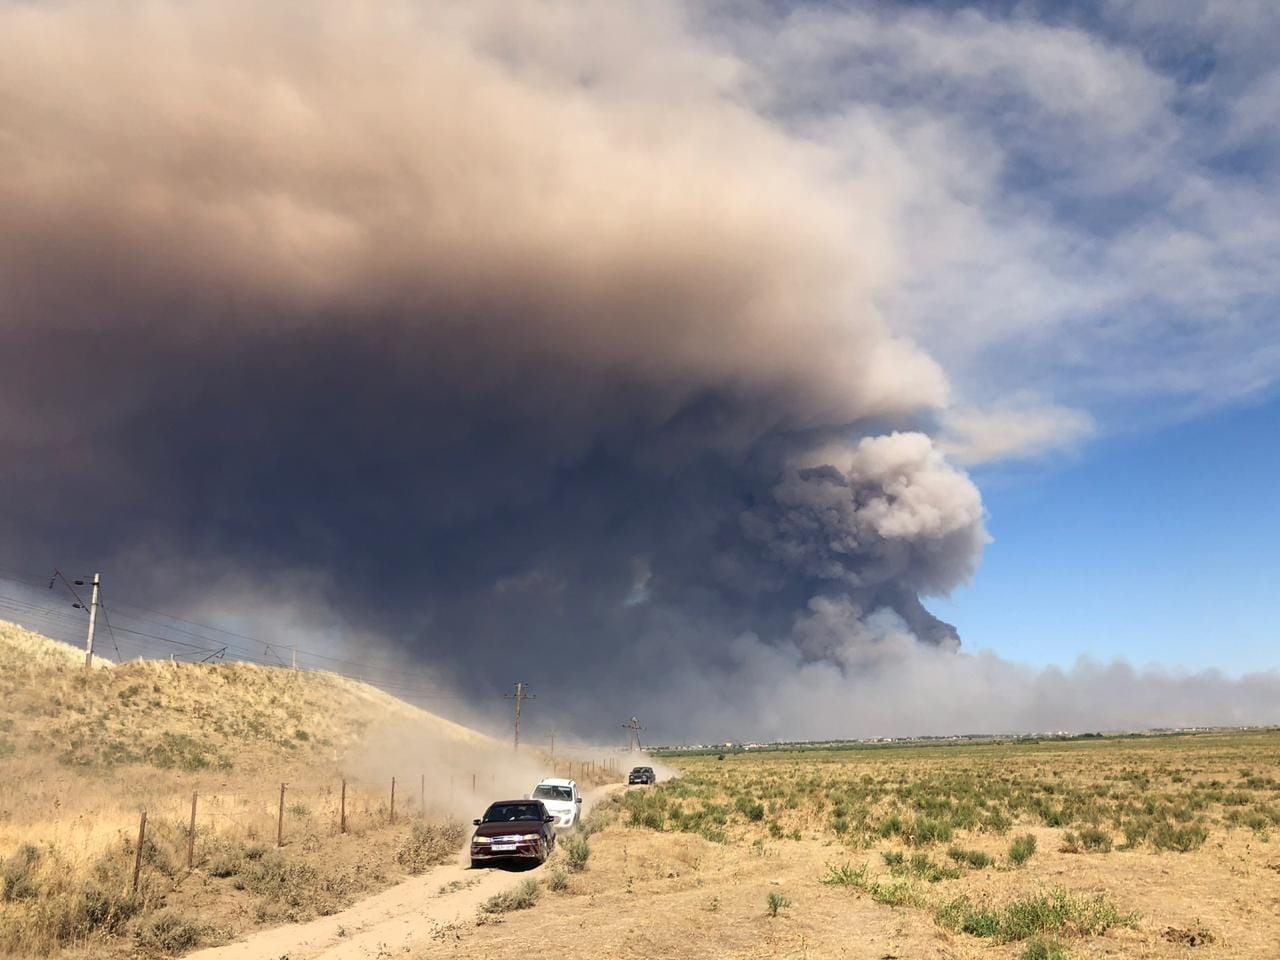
{"x": 513, "y": 829}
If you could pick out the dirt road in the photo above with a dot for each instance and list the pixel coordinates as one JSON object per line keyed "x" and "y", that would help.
{"x": 417, "y": 910}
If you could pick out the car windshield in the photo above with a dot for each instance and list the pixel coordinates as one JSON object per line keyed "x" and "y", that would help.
{"x": 506, "y": 812}
{"x": 552, "y": 791}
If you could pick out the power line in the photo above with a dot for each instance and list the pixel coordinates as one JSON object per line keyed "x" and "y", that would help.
{"x": 384, "y": 678}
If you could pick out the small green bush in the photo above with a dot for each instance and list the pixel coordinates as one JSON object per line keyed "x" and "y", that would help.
{"x": 775, "y": 902}
{"x": 519, "y": 898}
{"x": 1022, "y": 848}
{"x": 1180, "y": 839}
{"x": 972, "y": 858}
{"x": 170, "y": 932}
{"x": 1038, "y": 948}
{"x": 577, "y": 851}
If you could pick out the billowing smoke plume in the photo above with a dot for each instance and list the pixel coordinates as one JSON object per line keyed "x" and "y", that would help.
{"x": 508, "y": 330}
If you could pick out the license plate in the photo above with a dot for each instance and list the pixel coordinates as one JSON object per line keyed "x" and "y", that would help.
{"x": 504, "y": 847}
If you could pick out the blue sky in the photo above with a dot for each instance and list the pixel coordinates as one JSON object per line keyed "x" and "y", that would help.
{"x": 1159, "y": 547}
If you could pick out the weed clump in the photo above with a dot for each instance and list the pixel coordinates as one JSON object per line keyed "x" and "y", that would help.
{"x": 17, "y": 874}
{"x": 971, "y": 858}
{"x": 170, "y": 932}
{"x": 1039, "y": 948}
{"x": 894, "y": 893}
{"x": 519, "y": 898}
{"x": 1054, "y": 912}
{"x": 775, "y": 902}
{"x": 577, "y": 853}
{"x": 1022, "y": 849}
{"x": 1088, "y": 840}
{"x": 429, "y": 844}
{"x": 1179, "y": 839}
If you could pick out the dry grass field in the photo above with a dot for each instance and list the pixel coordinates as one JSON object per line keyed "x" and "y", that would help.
{"x": 1153, "y": 847}
{"x": 82, "y": 752}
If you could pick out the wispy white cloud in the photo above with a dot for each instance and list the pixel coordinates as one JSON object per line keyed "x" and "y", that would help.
{"x": 1021, "y": 429}
{"x": 1085, "y": 208}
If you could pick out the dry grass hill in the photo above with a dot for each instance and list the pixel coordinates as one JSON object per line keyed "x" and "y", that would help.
{"x": 186, "y": 716}
{"x": 82, "y": 752}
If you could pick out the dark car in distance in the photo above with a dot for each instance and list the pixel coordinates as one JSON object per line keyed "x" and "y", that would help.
{"x": 641, "y": 775}
{"x": 513, "y": 830}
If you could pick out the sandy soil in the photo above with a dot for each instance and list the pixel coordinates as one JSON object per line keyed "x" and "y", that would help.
{"x": 663, "y": 895}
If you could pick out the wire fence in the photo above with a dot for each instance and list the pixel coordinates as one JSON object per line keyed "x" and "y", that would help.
{"x": 201, "y": 825}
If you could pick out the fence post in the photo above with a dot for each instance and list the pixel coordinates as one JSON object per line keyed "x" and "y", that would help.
{"x": 393, "y": 799}
{"x": 342, "y": 816}
{"x": 191, "y": 835}
{"x": 422, "y": 796}
{"x": 280, "y": 820}
{"x": 137, "y": 854}
{"x": 473, "y": 783}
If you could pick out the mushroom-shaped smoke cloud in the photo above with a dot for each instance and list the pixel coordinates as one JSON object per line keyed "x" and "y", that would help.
{"x": 502, "y": 333}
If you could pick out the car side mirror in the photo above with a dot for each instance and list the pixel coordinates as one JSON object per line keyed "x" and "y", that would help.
{"x": 476, "y": 822}
{"x": 579, "y": 800}
{"x": 548, "y": 818}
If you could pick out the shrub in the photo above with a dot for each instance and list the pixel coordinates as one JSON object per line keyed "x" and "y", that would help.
{"x": 1090, "y": 840}
{"x": 518, "y": 898}
{"x": 559, "y": 880}
{"x": 577, "y": 852}
{"x": 890, "y": 826}
{"x": 749, "y": 808}
{"x": 973, "y": 858}
{"x": 1038, "y": 948}
{"x": 17, "y": 874}
{"x": 1181, "y": 839}
{"x": 925, "y": 831}
{"x": 168, "y": 931}
{"x": 1022, "y": 848}
{"x": 428, "y": 844}
{"x": 775, "y": 902}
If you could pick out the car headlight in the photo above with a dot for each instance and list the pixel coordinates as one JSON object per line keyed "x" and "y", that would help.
{"x": 481, "y": 840}
{"x": 530, "y": 836}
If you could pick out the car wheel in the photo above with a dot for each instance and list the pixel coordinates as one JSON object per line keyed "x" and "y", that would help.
{"x": 476, "y": 864}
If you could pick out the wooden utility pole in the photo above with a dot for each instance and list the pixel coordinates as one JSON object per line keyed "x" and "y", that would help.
{"x": 280, "y": 820}
{"x": 191, "y": 836}
{"x": 519, "y": 697}
{"x": 142, "y": 839}
{"x": 93, "y": 619}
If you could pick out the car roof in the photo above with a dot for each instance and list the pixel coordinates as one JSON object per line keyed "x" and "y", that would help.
{"x": 520, "y": 802}
{"x": 556, "y": 782}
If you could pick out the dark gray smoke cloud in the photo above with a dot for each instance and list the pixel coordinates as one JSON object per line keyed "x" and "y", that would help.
{"x": 511, "y": 338}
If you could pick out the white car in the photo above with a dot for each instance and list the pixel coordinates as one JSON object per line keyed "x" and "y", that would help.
{"x": 562, "y": 800}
